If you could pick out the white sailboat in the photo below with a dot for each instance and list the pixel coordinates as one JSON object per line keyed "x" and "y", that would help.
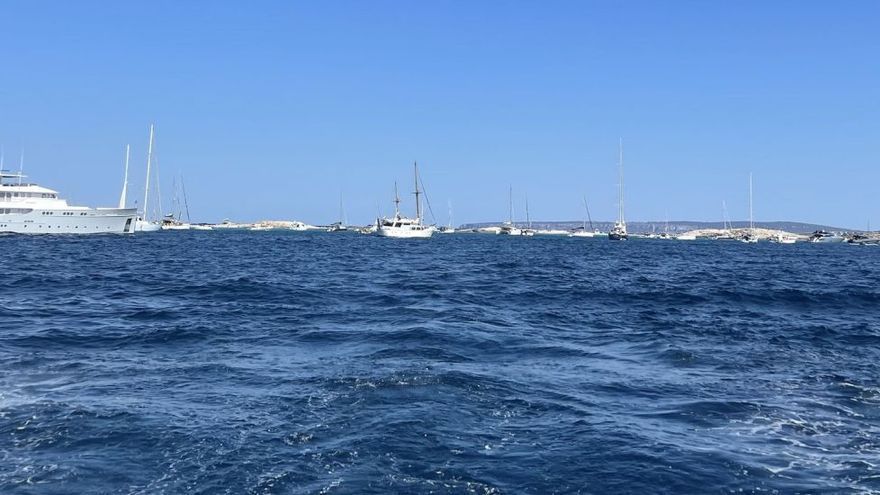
{"x": 509, "y": 227}
{"x": 143, "y": 224}
{"x": 174, "y": 221}
{"x": 529, "y": 231}
{"x": 342, "y": 224}
{"x": 448, "y": 229}
{"x": 618, "y": 232}
{"x": 400, "y": 226}
{"x": 750, "y": 236}
{"x": 583, "y": 232}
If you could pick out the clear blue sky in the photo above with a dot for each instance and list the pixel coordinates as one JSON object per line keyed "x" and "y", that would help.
{"x": 271, "y": 109}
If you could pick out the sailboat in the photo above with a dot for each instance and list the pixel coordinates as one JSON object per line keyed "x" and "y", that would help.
{"x": 583, "y": 232}
{"x": 341, "y": 225}
{"x": 400, "y": 226}
{"x": 143, "y": 224}
{"x": 448, "y": 229}
{"x": 529, "y": 231}
{"x": 508, "y": 227}
{"x": 618, "y": 232}
{"x": 750, "y": 236}
{"x": 174, "y": 221}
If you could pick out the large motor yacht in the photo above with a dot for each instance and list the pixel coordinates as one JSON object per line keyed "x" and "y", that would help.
{"x": 32, "y": 209}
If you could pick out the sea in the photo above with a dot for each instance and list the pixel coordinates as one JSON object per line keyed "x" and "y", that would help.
{"x": 278, "y": 362}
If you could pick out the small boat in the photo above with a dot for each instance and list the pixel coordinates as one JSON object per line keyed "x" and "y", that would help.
{"x": 618, "y": 232}
{"x": 686, "y": 237}
{"x": 403, "y": 227}
{"x": 202, "y": 227}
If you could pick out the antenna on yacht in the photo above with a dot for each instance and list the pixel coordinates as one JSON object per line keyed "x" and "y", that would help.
{"x": 149, "y": 162}
{"x": 418, "y": 202}
{"x": 122, "y": 197}
{"x": 1, "y": 156}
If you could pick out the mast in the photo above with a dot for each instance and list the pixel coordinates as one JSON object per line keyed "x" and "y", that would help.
{"x": 510, "y": 205}
{"x": 620, "y": 218}
{"x": 528, "y": 218}
{"x": 185, "y": 202}
{"x": 342, "y": 219}
{"x": 396, "y": 201}
{"x": 418, "y": 202}
{"x": 726, "y": 222}
{"x": 122, "y": 197}
{"x": 149, "y": 162}
{"x": 751, "y": 213}
{"x": 450, "y": 213}
{"x": 587, "y": 208}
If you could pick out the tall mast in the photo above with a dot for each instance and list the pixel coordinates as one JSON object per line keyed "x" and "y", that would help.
{"x": 342, "y": 219}
{"x": 185, "y": 202}
{"x": 510, "y": 205}
{"x": 396, "y": 202}
{"x": 620, "y": 217}
{"x": 726, "y": 223}
{"x": 589, "y": 218}
{"x": 122, "y": 197}
{"x": 147, "y": 181}
{"x": 528, "y": 218}
{"x": 418, "y": 202}
{"x": 450, "y": 213}
{"x": 751, "y": 213}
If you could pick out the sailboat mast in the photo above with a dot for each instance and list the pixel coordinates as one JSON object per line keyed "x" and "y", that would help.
{"x": 149, "y": 162}
{"x": 510, "y": 205}
{"x": 396, "y": 201}
{"x": 751, "y": 212}
{"x": 528, "y": 218}
{"x": 418, "y": 202}
{"x": 620, "y": 217}
{"x": 185, "y": 202}
{"x": 450, "y": 214}
{"x": 122, "y": 197}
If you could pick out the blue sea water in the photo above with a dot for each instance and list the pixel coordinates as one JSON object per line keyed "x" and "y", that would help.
{"x": 285, "y": 362}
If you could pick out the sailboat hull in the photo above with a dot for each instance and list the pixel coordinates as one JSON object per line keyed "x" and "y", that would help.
{"x": 404, "y": 233}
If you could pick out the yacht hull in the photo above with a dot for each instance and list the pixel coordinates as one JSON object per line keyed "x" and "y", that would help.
{"x": 72, "y": 221}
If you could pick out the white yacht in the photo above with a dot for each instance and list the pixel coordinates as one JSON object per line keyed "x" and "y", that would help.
{"x": 618, "y": 232}
{"x": 400, "y": 226}
{"x": 32, "y": 209}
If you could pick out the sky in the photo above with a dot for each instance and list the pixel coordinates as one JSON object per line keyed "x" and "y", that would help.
{"x": 277, "y": 110}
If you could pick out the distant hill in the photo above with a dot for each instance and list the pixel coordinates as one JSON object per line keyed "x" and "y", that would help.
{"x": 674, "y": 227}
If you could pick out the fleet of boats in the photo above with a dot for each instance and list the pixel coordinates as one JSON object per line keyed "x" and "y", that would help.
{"x": 31, "y": 208}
